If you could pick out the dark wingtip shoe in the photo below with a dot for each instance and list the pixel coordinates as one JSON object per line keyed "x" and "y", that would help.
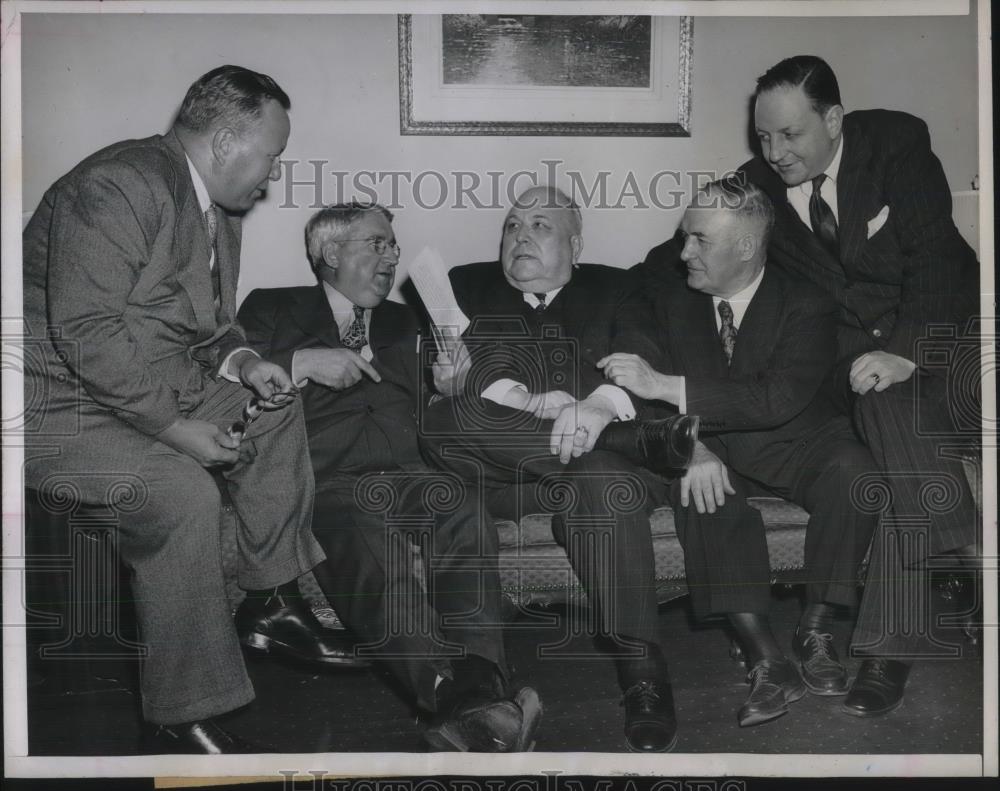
{"x": 878, "y": 688}
{"x": 821, "y": 668}
{"x": 488, "y": 725}
{"x": 774, "y": 683}
{"x": 285, "y": 625}
{"x": 650, "y": 721}
{"x": 667, "y": 445}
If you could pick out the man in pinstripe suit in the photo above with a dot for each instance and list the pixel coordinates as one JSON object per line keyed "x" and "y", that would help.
{"x": 864, "y": 211}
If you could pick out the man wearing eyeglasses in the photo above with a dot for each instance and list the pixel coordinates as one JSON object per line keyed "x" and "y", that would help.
{"x": 355, "y": 356}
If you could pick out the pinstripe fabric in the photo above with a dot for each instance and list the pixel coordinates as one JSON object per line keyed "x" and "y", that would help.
{"x": 916, "y": 271}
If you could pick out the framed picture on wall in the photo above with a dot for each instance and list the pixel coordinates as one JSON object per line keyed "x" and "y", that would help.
{"x": 488, "y": 74}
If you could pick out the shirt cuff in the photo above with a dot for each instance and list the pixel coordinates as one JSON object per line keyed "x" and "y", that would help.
{"x": 296, "y": 380}
{"x": 499, "y": 389}
{"x": 224, "y": 368}
{"x": 618, "y": 397}
{"x": 682, "y": 398}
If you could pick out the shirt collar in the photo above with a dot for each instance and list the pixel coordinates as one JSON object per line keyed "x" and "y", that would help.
{"x": 200, "y": 190}
{"x": 342, "y": 307}
{"x": 832, "y": 171}
{"x": 532, "y": 300}
{"x": 740, "y": 301}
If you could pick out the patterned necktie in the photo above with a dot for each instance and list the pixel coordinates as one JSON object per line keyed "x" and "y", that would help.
{"x": 540, "y": 307}
{"x": 355, "y": 338}
{"x": 212, "y": 223}
{"x": 824, "y": 224}
{"x": 727, "y": 330}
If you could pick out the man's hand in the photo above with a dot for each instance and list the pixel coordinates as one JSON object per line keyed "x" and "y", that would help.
{"x": 205, "y": 442}
{"x": 878, "y": 371}
{"x": 706, "y": 481}
{"x": 270, "y": 382}
{"x": 337, "y": 369}
{"x": 578, "y": 425}
{"x": 451, "y": 368}
{"x": 637, "y": 376}
{"x": 547, "y": 406}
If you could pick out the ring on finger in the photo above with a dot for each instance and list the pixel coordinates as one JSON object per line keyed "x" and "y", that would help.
{"x": 877, "y": 378}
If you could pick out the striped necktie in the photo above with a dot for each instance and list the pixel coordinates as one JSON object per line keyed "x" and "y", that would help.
{"x": 824, "y": 224}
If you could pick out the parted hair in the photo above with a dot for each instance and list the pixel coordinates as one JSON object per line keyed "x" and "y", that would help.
{"x": 814, "y": 74}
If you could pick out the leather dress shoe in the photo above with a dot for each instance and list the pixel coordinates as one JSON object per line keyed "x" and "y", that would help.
{"x": 667, "y": 445}
{"x": 663, "y": 446}
{"x": 821, "y": 668}
{"x": 650, "y": 722}
{"x": 285, "y": 625}
{"x": 482, "y": 723}
{"x": 774, "y": 683}
{"x": 878, "y": 688}
{"x": 202, "y": 737}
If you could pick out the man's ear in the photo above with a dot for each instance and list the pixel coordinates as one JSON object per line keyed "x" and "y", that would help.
{"x": 576, "y": 242}
{"x": 747, "y": 246}
{"x": 223, "y": 143}
{"x": 330, "y": 258}
{"x": 834, "y": 121}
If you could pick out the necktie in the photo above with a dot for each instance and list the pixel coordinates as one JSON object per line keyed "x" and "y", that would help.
{"x": 355, "y": 338}
{"x": 824, "y": 224}
{"x": 727, "y": 330}
{"x": 540, "y": 307}
{"x": 212, "y": 223}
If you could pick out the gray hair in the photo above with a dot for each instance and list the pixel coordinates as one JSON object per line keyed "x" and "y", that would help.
{"x": 738, "y": 194}
{"x": 332, "y": 221}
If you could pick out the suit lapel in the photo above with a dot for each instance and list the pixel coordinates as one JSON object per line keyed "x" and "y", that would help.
{"x": 695, "y": 335}
{"x": 311, "y": 312}
{"x": 763, "y": 315}
{"x": 191, "y": 242}
{"x": 857, "y": 195}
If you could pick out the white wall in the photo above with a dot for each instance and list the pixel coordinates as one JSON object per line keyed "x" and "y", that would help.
{"x": 90, "y": 80}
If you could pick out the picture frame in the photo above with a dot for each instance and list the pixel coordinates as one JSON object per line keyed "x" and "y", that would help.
{"x": 430, "y": 106}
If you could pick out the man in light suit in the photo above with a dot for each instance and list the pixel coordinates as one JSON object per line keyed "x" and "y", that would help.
{"x": 356, "y": 356}
{"x": 533, "y": 423}
{"x": 748, "y": 348}
{"x": 864, "y": 211}
{"x": 130, "y": 269}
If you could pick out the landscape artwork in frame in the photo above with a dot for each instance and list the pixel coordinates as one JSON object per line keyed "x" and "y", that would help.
{"x": 593, "y": 75}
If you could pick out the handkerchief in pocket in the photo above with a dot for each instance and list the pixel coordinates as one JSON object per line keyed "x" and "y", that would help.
{"x": 875, "y": 223}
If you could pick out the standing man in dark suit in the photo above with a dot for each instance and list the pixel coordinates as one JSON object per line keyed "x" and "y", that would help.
{"x": 864, "y": 211}
{"x": 356, "y": 356}
{"x": 130, "y": 269}
{"x": 748, "y": 349}
{"x": 532, "y": 421}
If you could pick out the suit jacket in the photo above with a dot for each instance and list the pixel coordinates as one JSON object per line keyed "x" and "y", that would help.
{"x": 118, "y": 304}
{"x": 761, "y": 407}
{"x": 914, "y": 271}
{"x": 280, "y": 321}
{"x": 599, "y": 311}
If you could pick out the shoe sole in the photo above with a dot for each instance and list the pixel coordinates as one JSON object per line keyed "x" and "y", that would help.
{"x": 866, "y": 714}
{"x": 822, "y": 692}
{"x": 667, "y": 749}
{"x": 263, "y": 644}
{"x": 445, "y": 739}
{"x": 790, "y": 697}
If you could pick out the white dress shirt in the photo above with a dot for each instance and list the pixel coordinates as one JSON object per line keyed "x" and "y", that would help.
{"x": 343, "y": 316}
{"x": 799, "y": 195}
{"x": 739, "y": 302}
{"x": 621, "y": 400}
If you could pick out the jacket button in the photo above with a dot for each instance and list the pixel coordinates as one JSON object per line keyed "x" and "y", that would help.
{"x": 877, "y": 333}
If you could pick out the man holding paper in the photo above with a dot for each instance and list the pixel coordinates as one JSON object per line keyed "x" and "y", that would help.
{"x": 355, "y": 356}
{"x": 534, "y": 423}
